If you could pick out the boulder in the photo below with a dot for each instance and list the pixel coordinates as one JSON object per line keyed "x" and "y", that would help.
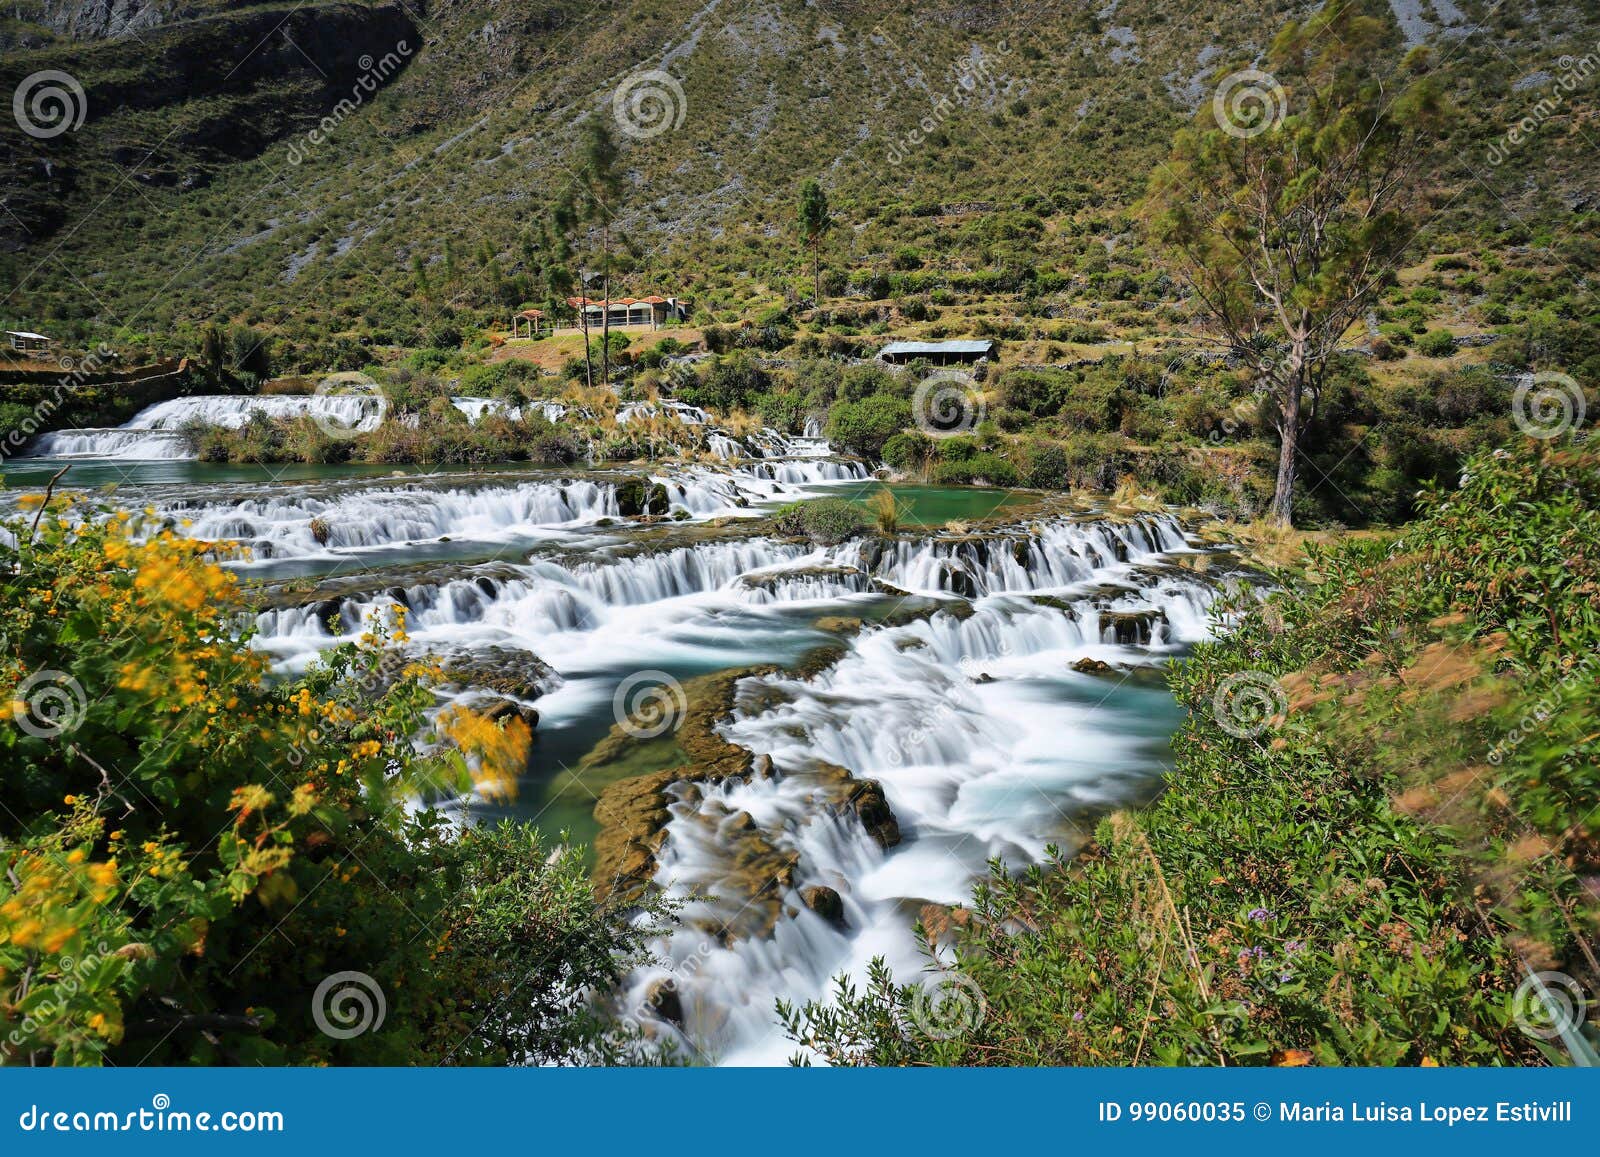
{"x": 825, "y": 902}
{"x": 662, "y": 998}
{"x": 501, "y": 709}
{"x": 839, "y": 624}
{"x": 872, "y": 809}
{"x": 507, "y": 671}
{"x": 1087, "y": 666}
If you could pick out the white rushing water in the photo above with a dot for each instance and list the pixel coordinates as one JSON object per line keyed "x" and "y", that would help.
{"x": 153, "y": 433}
{"x": 985, "y": 740}
{"x": 289, "y": 521}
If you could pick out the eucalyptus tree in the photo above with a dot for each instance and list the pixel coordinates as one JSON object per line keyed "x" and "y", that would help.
{"x": 1288, "y": 207}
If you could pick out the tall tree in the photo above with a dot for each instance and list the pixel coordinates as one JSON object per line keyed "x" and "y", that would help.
{"x": 602, "y": 178}
{"x": 1288, "y": 207}
{"x": 564, "y": 219}
{"x": 815, "y": 221}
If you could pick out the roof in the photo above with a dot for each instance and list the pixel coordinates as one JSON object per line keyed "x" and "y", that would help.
{"x": 597, "y": 302}
{"x": 27, "y": 334}
{"x": 531, "y": 313}
{"x": 979, "y": 346}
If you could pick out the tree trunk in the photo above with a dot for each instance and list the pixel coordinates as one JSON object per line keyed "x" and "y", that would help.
{"x": 816, "y": 268}
{"x": 588, "y": 358}
{"x": 1282, "y": 512}
{"x": 605, "y": 292}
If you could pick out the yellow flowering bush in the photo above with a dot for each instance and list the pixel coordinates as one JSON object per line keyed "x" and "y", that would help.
{"x": 189, "y": 847}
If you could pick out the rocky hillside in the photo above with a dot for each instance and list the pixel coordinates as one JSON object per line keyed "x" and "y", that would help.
{"x": 956, "y": 138}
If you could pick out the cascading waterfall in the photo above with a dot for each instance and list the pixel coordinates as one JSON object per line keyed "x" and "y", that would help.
{"x": 141, "y": 445}
{"x": 970, "y": 715}
{"x": 153, "y": 433}
{"x": 985, "y": 741}
{"x": 315, "y": 521}
{"x": 301, "y": 523}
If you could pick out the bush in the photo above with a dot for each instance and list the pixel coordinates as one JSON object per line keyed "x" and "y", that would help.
{"x": 865, "y": 426}
{"x": 734, "y": 382}
{"x": 985, "y": 468}
{"x": 907, "y": 452}
{"x": 160, "y": 916}
{"x": 1436, "y": 343}
{"x": 825, "y": 521}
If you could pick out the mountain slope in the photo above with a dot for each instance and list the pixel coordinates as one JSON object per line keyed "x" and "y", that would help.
{"x": 990, "y": 139}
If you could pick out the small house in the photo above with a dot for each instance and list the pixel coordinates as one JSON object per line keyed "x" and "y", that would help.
{"x": 530, "y": 319}
{"x": 649, "y": 312}
{"x": 24, "y": 341}
{"x": 939, "y": 353}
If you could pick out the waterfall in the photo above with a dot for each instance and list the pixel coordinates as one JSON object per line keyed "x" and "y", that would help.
{"x": 305, "y": 522}
{"x": 153, "y": 433}
{"x": 984, "y": 738}
{"x": 146, "y": 445}
{"x": 353, "y": 411}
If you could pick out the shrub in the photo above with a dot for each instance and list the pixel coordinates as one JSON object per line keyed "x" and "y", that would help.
{"x": 865, "y": 426}
{"x": 160, "y": 916}
{"x": 1436, "y": 343}
{"x": 825, "y": 521}
{"x": 908, "y": 451}
{"x": 984, "y": 468}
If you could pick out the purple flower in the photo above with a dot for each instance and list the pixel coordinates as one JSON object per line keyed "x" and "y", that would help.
{"x": 1259, "y": 915}
{"x": 1292, "y": 947}
{"x": 1077, "y": 1016}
